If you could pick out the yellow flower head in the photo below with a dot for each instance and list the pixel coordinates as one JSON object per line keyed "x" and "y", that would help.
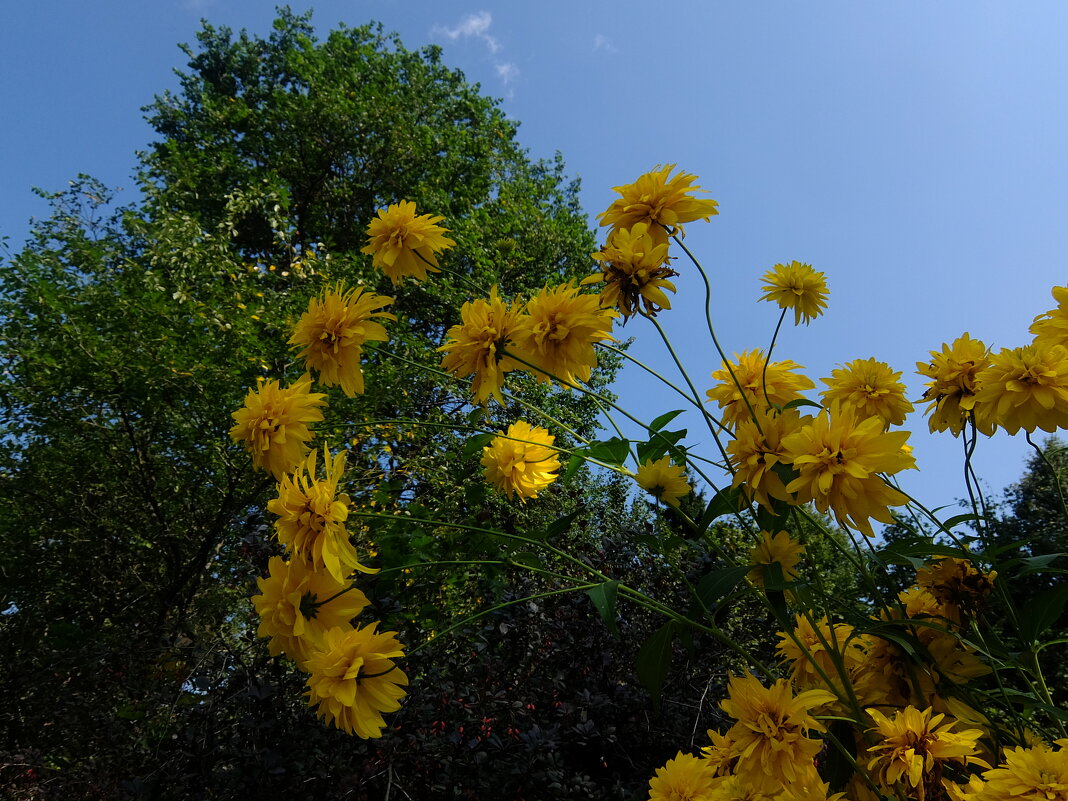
{"x": 778, "y": 385}
{"x": 796, "y": 286}
{"x": 1026, "y": 388}
{"x": 721, "y": 754}
{"x": 684, "y": 778}
{"x": 957, "y": 583}
{"x": 404, "y": 245}
{"x": 354, "y": 679}
{"x": 772, "y": 548}
{"x": 839, "y": 461}
{"x": 951, "y": 390}
{"x": 913, "y": 747}
{"x": 663, "y": 480}
{"x": 1038, "y": 773}
{"x": 869, "y": 388}
{"x": 660, "y": 202}
{"x": 635, "y": 272}
{"x": 755, "y": 451}
{"x": 311, "y": 517}
{"x": 273, "y": 424}
{"x": 521, "y": 462}
{"x": 333, "y": 331}
{"x": 558, "y": 332}
{"x": 771, "y": 732}
{"x": 816, "y": 649}
{"x": 1051, "y": 328}
{"x": 475, "y": 347}
{"x": 298, "y": 605}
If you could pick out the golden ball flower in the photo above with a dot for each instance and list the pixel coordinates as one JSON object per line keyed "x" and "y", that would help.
{"x": 521, "y": 462}
{"x": 1025, "y": 388}
{"x": 476, "y": 346}
{"x": 635, "y": 272}
{"x": 1038, "y": 773}
{"x": 870, "y": 388}
{"x": 796, "y": 286}
{"x": 779, "y": 548}
{"x": 332, "y": 333}
{"x": 663, "y": 480}
{"x": 405, "y": 245}
{"x": 273, "y": 424}
{"x": 950, "y": 393}
{"x": 1051, "y": 328}
{"x": 755, "y": 452}
{"x": 762, "y": 388}
{"x": 684, "y": 778}
{"x": 660, "y": 201}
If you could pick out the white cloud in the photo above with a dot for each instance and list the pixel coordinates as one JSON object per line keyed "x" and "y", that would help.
{"x": 476, "y": 25}
{"x": 602, "y": 42}
{"x": 507, "y": 72}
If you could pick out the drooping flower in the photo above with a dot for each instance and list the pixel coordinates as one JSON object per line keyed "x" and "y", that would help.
{"x": 660, "y": 202}
{"x": 951, "y": 390}
{"x": 558, "y": 331}
{"x": 1026, "y": 388}
{"x": 298, "y": 605}
{"x": 333, "y": 331}
{"x": 521, "y": 462}
{"x": 756, "y": 450}
{"x": 776, "y": 386}
{"x": 635, "y": 272}
{"x": 870, "y": 388}
{"x": 312, "y": 515}
{"x": 1051, "y": 328}
{"x": 273, "y": 424}
{"x": 405, "y": 245}
{"x": 796, "y": 286}
{"x": 684, "y": 778}
{"x": 354, "y": 679}
{"x": 1039, "y": 773}
{"x": 771, "y": 732}
{"x": 663, "y": 480}
{"x": 779, "y": 548}
{"x": 913, "y": 747}
{"x": 475, "y": 347}
{"x": 839, "y": 461}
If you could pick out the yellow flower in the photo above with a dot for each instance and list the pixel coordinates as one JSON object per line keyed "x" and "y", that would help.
{"x": 684, "y": 778}
{"x": 354, "y": 679}
{"x": 1028, "y": 774}
{"x": 771, "y": 733}
{"x": 404, "y": 245}
{"x": 776, "y": 386}
{"x": 635, "y": 271}
{"x": 663, "y": 480}
{"x": 311, "y": 517}
{"x": 333, "y": 331}
{"x": 796, "y": 286}
{"x": 273, "y": 424}
{"x": 558, "y": 332}
{"x": 913, "y": 747}
{"x": 476, "y": 346}
{"x": 820, "y": 645}
{"x": 1051, "y": 328}
{"x": 755, "y": 451}
{"x": 951, "y": 390}
{"x": 780, "y": 548}
{"x": 521, "y": 462}
{"x": 298, "y": 605}
{"x": 839, "y": 461}
{"x": 721, "y": 754}
{"x": 1026, "y": 388}
{"x": 659, "y": 202}
{"x": 869, "y": 388}
{"x": 957, "y": 583}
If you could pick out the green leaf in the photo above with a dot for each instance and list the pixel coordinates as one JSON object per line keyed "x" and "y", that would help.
{"x": 573, "y": 464}
{"x": 664, "y": 419}
{"x": 527, "y": 559}
{"x": 475, "y": 444}
{"x": 476, "y": 415}
{"x": 654, "y": 659}
{"x": 798, "y": 402}
{"x": 604, "y": 598}
{"x": 610, "y": 451}
{"x": 719, "y": 583}
{"x": 958, "y": 519}
{"x": 724, "y": 502}
{"x": 1040, "y": 564}
{"x": 561, "y": 524}
{"x": 659, "y": 444}
{"x": 1042, "y": 612}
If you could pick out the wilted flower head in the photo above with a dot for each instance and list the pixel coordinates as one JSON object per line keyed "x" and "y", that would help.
{"x": 796, "y": 286}
{"x": 405, "y": 245}
{"x": 522, "y": 461}
{"x": 333, "y": 331}
{"x": 660, "y": 202}
{"x": 273, "y": 424}
{"x": 635, "y": 272}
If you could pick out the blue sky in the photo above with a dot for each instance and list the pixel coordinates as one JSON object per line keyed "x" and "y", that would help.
{"x": 914, "y": 152}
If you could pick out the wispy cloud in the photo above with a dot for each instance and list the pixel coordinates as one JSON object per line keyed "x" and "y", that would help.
{"x": 473, "y": 25}
{"x": 507, "y": 71}
{"x": 603, "y": 43}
